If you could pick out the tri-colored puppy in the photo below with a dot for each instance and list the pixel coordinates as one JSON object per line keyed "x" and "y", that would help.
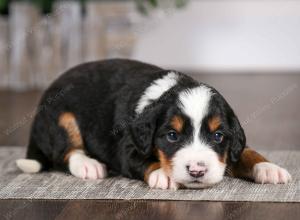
{"x": 142, "y": 122}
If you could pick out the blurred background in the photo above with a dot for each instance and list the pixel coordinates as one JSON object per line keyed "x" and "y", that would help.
{"x": 248, "y": 50}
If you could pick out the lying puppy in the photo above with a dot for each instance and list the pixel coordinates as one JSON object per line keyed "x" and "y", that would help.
{"x": 142, "y": 122}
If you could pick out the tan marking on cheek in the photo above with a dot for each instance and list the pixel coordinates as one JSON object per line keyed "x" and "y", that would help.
{"x": 214, "y": 123}
{"x": 177, "y": 123}
{"x": 223, "y": 158}
{"x": 150, "y": 169}
{"x": 165, "y": 163}
{"x": 67, "y": 121}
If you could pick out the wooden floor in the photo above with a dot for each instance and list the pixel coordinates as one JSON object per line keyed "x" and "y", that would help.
{"x": 117, "y": 209}
{"x": 268, "y": 108}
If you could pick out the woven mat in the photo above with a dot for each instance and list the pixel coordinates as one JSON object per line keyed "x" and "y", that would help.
{"x": 54, "y": 185}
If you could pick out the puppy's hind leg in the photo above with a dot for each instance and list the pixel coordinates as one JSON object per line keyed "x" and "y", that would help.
{"x": 85, "y": 167}
{"x": 80, "y": 165}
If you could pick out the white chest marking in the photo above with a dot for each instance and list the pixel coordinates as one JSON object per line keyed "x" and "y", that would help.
{"x": 156, "y": 89}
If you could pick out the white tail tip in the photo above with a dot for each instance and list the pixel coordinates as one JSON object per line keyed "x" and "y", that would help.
{"x": 29, "y": 166}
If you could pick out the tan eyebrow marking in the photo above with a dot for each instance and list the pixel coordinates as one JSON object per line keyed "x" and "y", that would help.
{"x": 223, "y": 159}
{"x": 214, "y": 123}
{"x": 177, "y": 123}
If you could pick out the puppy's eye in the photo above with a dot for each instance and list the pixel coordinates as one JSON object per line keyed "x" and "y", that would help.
{"x": 218, "y": 137}
{"x": 172, "y": 136}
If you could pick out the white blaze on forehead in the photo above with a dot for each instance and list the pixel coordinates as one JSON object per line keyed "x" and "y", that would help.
{"x": 195, "y": 103}
{"x": 156, "y": 89}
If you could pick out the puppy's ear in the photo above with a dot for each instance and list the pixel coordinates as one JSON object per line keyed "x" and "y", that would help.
{"x": 143, "y": 129}
{"x": 238, "y": 142}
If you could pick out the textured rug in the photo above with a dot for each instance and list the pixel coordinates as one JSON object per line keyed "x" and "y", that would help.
{"x": 54, "y": 185}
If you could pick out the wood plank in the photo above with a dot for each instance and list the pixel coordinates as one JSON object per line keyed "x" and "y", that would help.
{"x": 108, "y": 30}
{"x": 23, "y": 22}
{"x": 4, "y": 52}
{"x": 94, "y": 32}
{"x": 67, "y": 30}
{"x": 146, "y": 209}
{"x": 46, "y": 69}
{"x": 30, "y": 209}
{"x": 120, "y": 37}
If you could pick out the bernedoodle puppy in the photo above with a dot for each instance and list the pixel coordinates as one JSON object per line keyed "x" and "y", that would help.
{"x": 142, "y": 122}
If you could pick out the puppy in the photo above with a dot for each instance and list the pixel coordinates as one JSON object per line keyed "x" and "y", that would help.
{"x": 142, "y": 122}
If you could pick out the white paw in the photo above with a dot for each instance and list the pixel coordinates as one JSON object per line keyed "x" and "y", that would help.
{"x": 84, "y": 167}
{"x": 266, "y": 172}
{"x": 159, "y": 180}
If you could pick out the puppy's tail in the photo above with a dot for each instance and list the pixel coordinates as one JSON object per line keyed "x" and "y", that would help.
{"x": 29, "y": 166}
{"x": 35, "y": 160}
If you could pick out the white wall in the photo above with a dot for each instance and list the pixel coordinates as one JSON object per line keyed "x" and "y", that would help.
{"x": 225, "y": 36}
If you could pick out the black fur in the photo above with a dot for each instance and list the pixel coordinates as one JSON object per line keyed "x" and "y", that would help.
{"x": 103, "y": 96}
{"x": 235, "y": 139}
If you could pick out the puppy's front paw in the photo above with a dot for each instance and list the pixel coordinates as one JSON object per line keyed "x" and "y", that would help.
{"x": 84, "y": 167}
{"x": 266, "y": 172}
{"x": 159, "y": 180}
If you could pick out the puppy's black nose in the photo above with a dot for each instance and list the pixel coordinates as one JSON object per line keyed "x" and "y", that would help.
{"x": 197, "y": 169}
{"x": 196, "y": 174}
